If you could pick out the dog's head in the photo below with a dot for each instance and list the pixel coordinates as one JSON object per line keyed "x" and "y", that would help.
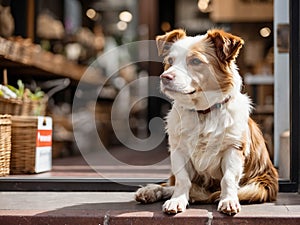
{"x": 199, "y": 71}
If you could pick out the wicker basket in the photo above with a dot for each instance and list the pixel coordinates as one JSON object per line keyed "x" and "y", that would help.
{"x": 5, "y": 144}
{"x": 31, "y": 150}
{"x": 34, "y": 107}
{"x": 10, "y": 106}
{"x": 23, "y": 144}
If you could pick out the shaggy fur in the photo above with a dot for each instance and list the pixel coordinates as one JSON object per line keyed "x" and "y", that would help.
{"x": 217, "y": 152}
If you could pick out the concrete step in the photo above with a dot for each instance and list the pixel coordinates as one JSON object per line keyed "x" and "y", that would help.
{"x": 119, "y": 208}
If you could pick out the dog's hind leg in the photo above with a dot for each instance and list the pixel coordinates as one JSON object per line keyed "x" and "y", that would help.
{"x": 153, "y": 192}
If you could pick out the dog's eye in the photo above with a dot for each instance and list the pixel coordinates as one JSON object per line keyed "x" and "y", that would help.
{"x": 195, "y": 61}
{"x": 170, "y": 61}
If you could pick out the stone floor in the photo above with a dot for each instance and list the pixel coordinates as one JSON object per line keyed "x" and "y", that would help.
{"x": 119, "y": 208}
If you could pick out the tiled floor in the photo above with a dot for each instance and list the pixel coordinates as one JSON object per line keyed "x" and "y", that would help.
{"x": 119, "y": 208}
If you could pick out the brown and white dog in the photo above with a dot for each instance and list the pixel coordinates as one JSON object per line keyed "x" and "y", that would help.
{"x": 217, "y": 151}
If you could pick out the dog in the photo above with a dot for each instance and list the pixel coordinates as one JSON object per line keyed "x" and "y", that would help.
{"x": 217, "y": 151}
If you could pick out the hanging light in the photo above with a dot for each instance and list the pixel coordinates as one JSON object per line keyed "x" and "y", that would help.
{"x": 125, "y": 16}
{"x": 204, "y": 6}
{"x": 121, "y": 25}
{"x": 265, "y": 32}
{"x": 91, "y": 13}
{"x": 165, "y": 26}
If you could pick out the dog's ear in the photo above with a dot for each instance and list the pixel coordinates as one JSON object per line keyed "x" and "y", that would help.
{"x": 164, "y": 42}
{"x": 227, "y": 45}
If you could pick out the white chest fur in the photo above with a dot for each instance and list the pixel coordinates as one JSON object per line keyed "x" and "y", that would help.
{"x": 204, "y": 138}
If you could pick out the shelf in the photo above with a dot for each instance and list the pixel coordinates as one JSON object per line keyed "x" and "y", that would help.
{"x": 259, "y": 79}
{"x": 31, "y": 59}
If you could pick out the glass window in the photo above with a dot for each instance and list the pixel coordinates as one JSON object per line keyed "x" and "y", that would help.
{"x": 100, "y": 69}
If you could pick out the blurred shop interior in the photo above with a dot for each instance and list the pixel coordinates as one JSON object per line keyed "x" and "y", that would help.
{"x": 46, "y": 46}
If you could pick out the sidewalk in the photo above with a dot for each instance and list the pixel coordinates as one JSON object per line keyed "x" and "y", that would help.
{"x": 119, "y": 208}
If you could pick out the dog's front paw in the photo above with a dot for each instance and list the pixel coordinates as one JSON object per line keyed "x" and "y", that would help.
{"x": 149, "y": 193}
{"x": 175, "y": 205}
{"x": 229, "y": 206}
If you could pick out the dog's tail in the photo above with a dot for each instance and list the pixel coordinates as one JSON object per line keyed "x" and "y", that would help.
{"x": 249, "y": 193}
{"x": 262, "y": 190}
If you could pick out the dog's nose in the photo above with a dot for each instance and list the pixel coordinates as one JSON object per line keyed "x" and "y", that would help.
{"x": 167, "y": 77}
